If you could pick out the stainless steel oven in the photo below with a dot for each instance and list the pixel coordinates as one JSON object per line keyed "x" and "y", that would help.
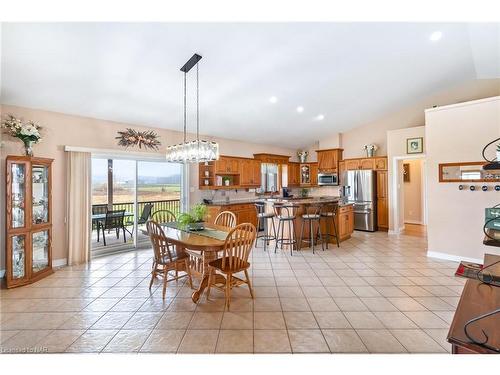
{"x": 328, "y": 179}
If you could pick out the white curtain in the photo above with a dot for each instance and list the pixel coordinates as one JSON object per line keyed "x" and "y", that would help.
{"x": 78, "y": 210}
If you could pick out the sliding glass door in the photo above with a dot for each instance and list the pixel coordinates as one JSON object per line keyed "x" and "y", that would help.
{"x": 125, "y": 193}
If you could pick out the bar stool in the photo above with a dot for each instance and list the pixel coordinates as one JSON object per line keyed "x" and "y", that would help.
{"x": 328, "y": 213}
{"x": 311, "y": 218}
{"x": 264, "y": 218}
{"x": 286, "y": 215}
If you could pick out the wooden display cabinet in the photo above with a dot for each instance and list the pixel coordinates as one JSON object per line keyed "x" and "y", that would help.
{"x": 28, "y": 220}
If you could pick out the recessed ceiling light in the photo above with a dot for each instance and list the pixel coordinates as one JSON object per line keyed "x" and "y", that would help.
{"x": 300, "y": 109}
{"x": 319, "y": 117}
{"x": 435, "y": 36}
{"x": 273, "y": 99}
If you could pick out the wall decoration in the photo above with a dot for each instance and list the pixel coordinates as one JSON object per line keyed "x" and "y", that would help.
{"x": 406, "y": 172}
{"x": 415, "y": 145}
{"x": 130, "y": 137}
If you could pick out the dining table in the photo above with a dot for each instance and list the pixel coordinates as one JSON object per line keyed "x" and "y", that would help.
{"x": 202, "y": 247}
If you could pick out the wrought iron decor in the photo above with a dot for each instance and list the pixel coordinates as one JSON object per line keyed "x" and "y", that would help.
{"x": 147, "y": 139}
{"x": 484, "y": 342}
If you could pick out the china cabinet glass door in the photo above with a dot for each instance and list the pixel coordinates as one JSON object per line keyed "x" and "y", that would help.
{"x": 18, "y": 195}
{"x": 40, "y": 192}
{"x": 18, "y": 244}
{"x": 40, "y": 250}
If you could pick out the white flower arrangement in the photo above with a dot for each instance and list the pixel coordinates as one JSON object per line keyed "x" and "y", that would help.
{"x": 27, "y": 132}
{"x": 302, "y": 156}
{"x": 370, "y": 149}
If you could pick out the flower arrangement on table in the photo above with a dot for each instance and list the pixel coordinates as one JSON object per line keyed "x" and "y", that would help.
{"x": 370, "y": 149}
{"x": 193, "y": 220}
{"x": 28, "y": 132}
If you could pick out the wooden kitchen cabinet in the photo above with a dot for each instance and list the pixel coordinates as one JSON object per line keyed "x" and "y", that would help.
{"x": 352, "y": 164}
{"x": 380, "y": 164}
{"x": 345, "y": 223}
{"x": 249, "y": 172}
{"x": 245, "y": 212}
{"x": 257, "y": 174}
{"x": 328, "y": 160}
{"x": 314, "y": 174}
{"x": 341, "y": 172}
{"x": 367, "y": 164}
{"x": 227, "y": 165}
{"x": 382, "y": 201}
{"x": 293, "y": 174}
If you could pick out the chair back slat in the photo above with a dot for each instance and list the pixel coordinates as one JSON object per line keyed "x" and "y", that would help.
{"x": 162, "y": 249}
{"x": 98, "y": 209}
{"x": 146, "y": 212}
{"x": 226, "y": 219}
{"x": 238, "y": 244}
{"x": 163, "y": 216}
{"x": 114, "y": 219}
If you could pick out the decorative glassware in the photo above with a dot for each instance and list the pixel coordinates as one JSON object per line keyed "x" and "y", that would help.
{"x": 18, "y": 187}
{"x": 18, "y": 254}
{"x": 40, "y": 244}
{"x": 40, "y": 190}
{"x": 193, "y": 152}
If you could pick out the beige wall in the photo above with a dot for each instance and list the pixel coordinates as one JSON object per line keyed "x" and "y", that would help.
{"x": 458, "y": 133}
{"x": 396, "y": 151}
{"x": 61, "y": 130}
{"x": 412, "y": 191}
{"x": 352, "y": 141}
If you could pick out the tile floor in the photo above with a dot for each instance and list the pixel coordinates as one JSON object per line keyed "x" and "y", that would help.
{"x": 376, "y": 294}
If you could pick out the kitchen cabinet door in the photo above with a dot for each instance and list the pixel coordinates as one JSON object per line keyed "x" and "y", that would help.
{"x": 246, "y": 172}
{"x": 341, "y": 172}
{"x": 221, "y": 165}
{"x": 382, "y": 184}
{"x": 314, "y": 174}
{"x": 367, "y": 164}
{"x": 382, "y": 213}
{"x": 233, "y": 165}
{"x": 256, "y": 179}
{"x": 381, "y": 164}
{"x": 352, "y": 164}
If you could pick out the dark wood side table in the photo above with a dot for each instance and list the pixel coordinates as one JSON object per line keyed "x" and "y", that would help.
{"x": 477, "y": 299}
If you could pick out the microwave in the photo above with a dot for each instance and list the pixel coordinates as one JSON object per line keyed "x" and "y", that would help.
{"x": 328, "y": 179}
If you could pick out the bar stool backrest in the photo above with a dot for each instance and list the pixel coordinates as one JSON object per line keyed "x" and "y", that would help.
{"x": 285, "y": 210}
{"x": 260, "y": 207}
{"x": 330, "y": 208}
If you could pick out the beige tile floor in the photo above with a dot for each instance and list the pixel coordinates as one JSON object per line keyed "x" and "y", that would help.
{"x": 375, "y": 294}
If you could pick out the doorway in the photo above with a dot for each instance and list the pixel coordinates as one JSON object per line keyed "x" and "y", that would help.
{"x": 410, "y": 211}
{"x": 125, "y": 193}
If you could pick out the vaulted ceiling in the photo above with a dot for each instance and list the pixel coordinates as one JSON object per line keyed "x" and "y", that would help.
{"x": 351, "y": 73}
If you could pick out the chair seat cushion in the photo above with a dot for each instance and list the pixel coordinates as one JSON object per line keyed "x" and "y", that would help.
{"x": 218, "y": 264}
{"x": 175, "y": 258}
{"x": 310, "y": 216}
{"x": 265, "y": 215}
{"x": 286, "y": 217}
{"x": 328, "y": 214}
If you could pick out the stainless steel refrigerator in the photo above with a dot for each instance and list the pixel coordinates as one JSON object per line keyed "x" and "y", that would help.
{"x": 360, "y": 188}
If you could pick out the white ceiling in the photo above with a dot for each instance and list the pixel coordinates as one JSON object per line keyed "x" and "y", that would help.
{"x": 352, "y": 73}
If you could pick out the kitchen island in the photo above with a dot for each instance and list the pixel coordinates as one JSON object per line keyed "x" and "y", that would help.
{"x": 245, "y": 213}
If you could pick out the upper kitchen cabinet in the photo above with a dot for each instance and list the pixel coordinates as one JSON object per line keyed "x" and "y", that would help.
{"x": 227, "y": 165}
{"x": 381, "y": 164}
{"x": 272, "y": 158}
{"x": 328, "y": 160}
{"x": 375, "y": 163}
{"x": 293, "y": 174}
{"x": 249, "y": 172}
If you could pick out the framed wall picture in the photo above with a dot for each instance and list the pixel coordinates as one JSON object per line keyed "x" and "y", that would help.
{"x": 406, "y": 172}
{"x": 415, "y": 145}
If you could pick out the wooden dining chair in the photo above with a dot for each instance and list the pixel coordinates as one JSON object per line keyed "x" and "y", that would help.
{"x": 166, "y": 257}
{"x": 226, "y": 219}
{"x": 163, "y": 216}
{"x": 237, "y": 247}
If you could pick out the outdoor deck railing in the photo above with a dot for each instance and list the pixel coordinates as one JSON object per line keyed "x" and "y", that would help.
{"x": 173, "y": 205}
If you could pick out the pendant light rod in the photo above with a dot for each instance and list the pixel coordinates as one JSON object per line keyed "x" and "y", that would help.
{"x": 197, "y": 105}
{"x": 185, "y": 107}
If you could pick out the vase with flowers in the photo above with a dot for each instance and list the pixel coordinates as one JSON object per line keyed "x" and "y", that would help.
{"x": 370, "y": 150}
{"x": 28, "y": 132}
{"x": 302, "y": 155}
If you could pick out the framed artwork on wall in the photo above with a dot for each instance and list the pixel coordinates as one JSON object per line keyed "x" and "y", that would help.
{"x": 406, "y": 172}
{"x": 415, "y": 145}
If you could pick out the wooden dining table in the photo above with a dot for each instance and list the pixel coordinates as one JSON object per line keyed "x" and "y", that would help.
{"x": 201, "y": 249}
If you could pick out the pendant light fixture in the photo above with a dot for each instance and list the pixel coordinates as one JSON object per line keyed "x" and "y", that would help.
{"x": 198, "y": 150}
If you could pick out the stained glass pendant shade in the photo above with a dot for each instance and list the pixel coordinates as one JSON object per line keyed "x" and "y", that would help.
{"x": 197, "y": 150}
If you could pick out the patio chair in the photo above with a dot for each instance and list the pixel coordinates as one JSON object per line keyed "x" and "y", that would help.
{"x": 146, "y": 213}
{"x": 113, "y": 220}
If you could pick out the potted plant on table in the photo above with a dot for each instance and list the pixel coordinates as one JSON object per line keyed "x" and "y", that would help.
{"x": 28, "y": 132}
{"x": 193, "y": 220}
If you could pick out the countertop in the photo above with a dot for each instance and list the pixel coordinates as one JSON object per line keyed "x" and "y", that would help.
{"x": 297, "y": 201}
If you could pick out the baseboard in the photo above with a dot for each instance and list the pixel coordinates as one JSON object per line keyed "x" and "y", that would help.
{"x": 60, "y": 262}
{"x": 417, "y": 222}
{"x": 453, "y": 258}
{"x": 399, "y": 231}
